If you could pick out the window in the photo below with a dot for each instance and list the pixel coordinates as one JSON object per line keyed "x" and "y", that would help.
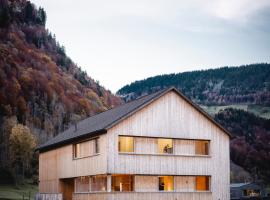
{"x": 82, "y": 184}
{"x": 202, "y": 147}
{"x": 165, "y": 146}
{"x": 251, "y": 193}
{"x": 98, "y": 183}
{"x": 165, "y": 183}
{"x": 126, "y": 144}
{"x": 202, "y": 183}
{"x": 87, "y": 148}
{"x": 96, "y": 141}
{"x": 122, "y": 183}
{"x": 76, "y": 150}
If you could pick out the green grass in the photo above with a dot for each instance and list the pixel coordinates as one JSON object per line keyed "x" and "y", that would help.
{"x": 13, "y": 192}
{"x": 258, "y": 110}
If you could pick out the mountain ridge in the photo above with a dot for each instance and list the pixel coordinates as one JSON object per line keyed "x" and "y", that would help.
{"x": 221, "y": 86}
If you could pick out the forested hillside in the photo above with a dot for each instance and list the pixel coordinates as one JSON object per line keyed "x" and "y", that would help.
{"x": 248, "y": 84}
{"x": 41, "y": 88}
{"x": 250, "y": 147}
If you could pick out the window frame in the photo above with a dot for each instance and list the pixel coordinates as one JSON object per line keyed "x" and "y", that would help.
{"x": 133, "y": 144}
{"x": 208, "y": 147}
{"x": 97, "y": 145}
{"x": 173, "y": 183}
{"x": 95, "y": 153}
{"x": 119, "y": 175}
{"x": 91, "y": 183}
{"x": 173, "y": 149}
{"x": 208, "y": 181}
{"x": 76, "y": 184}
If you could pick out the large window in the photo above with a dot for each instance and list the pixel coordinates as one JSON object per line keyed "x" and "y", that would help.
{"x": 165, "y": 146}
{"x": 98, "y": 183}
{"x": 202, "y": 183}
{"x": 93, "y": 184}
{"x": 87, "y": 148}
{"x": 126, "y": 144}
{"x": 82, "y": 184}
{"x": 201, "y": 147}
{"x": 165, "y": 183}
{"x": 122, "y": 183}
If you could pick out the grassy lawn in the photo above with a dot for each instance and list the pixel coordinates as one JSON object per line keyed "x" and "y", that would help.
{"x": 258, "y": 110}
{"x": 13, "y": 192}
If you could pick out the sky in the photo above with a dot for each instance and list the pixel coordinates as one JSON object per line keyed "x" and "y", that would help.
{"x": 121, "y": 41}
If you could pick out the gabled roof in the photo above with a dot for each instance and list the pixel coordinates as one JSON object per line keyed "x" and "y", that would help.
{"x": 101, "y": 122}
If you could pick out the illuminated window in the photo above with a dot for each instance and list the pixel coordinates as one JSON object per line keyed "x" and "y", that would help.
{"x": 202, "y": 183}
{"x": 165, "y": 183}
{"x": 98, "y": 183}
{"x": 201, "y": 147}
{"x": 126, "y": 144}
{"x": 82, "y": 184}
{"x": 165, "y": 146}
{"x": 251, "y": 193}
{"x": 122, "y": 183}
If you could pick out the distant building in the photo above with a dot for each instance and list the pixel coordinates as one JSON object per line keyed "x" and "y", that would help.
{"x": 160, "y": 147}
{"x": 246, "y": 190}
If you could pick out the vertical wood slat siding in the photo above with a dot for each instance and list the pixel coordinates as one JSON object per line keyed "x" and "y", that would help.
{"x": 186, "y": 147}
{"x": 146, "y": 183}
{"x": 145, "y": 196}
{"x": 59, "y": 163}
{"x": 87, "y": 148}
{"x": 184, "y": 183}
{"x": 145, "y": 145}
{"x": 171, "y": 116}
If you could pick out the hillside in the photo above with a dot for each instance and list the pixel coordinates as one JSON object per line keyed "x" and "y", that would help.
{"x": 40, "y": 86}
{"x": 250, "y": 145}
{"x": 248, "y": 84}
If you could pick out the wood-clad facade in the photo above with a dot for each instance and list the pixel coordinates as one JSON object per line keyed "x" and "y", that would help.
{"x": 167, "y": 149}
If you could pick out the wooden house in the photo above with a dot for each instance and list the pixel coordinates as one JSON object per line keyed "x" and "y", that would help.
{"x": 247, "y": 191}
{"x": 160, "y": 146}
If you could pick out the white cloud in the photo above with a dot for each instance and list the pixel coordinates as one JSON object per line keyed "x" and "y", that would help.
{"x": 236, "y": 10}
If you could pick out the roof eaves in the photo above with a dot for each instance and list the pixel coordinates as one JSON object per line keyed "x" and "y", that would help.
{"x": 70, "y": 140}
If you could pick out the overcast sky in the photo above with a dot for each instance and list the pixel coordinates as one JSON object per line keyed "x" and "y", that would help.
{"x": 120, "y": 41}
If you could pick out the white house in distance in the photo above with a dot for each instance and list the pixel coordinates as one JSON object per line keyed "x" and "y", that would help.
{"x": 160, "y": 146}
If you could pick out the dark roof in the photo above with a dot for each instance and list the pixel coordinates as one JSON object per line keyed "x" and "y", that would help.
{"x": 245, "y": 185}
{"x": 233, "y": 185}
{"x": 101, "y": 122}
